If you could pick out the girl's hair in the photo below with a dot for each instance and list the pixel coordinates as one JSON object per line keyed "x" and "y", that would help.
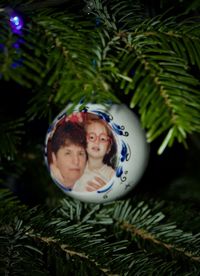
{"x": 66, "y": 133}
{"x": 110, "y": 158}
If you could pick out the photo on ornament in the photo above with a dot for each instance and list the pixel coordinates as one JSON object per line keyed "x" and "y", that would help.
{"x": 82, "y": 152}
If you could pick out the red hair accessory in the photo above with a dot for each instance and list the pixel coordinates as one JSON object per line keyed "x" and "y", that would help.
{"x": 76, "y": 117}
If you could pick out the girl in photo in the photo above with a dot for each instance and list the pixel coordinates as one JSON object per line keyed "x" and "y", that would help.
{"x": 101, "y": 153}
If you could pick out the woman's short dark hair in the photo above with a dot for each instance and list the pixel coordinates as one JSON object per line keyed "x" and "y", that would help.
{"x": 66, "y": 133}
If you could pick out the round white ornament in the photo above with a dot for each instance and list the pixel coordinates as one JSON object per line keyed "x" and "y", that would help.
{"x": 96, "y": 154}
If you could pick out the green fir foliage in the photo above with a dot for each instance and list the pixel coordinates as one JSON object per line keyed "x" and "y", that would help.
{"x": 141, "y": 53}
{"x": 117, "y": 49}
{"x": 120, "y": 238}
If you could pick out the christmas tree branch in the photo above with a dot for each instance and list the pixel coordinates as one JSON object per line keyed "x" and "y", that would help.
{"x": 71, "y": 67}
{"x": 160, "y": 51}
{"x": 97, "y": 50}
{"x": 143, "y": 234}
{"x": 152, "y": 61}
{"x": 159, "y": 71}
{"x": 67, "y": 249}
{"x": 147, "y": 224}
{"x": 74, "y": 230}
{"x": 10, "y": 137}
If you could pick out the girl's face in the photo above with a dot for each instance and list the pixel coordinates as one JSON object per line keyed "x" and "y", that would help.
{"x": 98, "y": 141}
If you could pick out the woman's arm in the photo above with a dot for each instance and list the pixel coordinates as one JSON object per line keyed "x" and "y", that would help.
{"x": 95, "y": 184}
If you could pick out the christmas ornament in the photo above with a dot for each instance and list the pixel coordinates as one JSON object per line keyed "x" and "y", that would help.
{"x": 97, "y": 153}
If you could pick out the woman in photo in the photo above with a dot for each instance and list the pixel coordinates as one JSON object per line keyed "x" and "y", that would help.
{"x": 67, "y": 153}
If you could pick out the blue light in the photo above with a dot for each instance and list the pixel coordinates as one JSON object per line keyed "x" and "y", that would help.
{"x": 15, "y": 20}
{"x": 16, "y": 23}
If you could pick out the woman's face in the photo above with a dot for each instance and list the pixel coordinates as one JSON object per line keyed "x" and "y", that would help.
{"x": 70, "y": 160}
{"x": 98, "y": 141}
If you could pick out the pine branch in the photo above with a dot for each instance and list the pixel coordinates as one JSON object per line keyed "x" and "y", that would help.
{"x": 69, "y": 71}
{"x": 149, "y": 226}
{"x": 76, "y": 63}
{"x": 17, "y": 251}
{"x": 171, "y": 247}
{"x": 116, "y": 15}
{"x": 116, "y": 215}
{"x": 160, "y": 52}
{"x": 73, "y": 254}
{"x": 159, "y": 70}
{"x": 74, "y": 230}
{"x": 114, "y": 50}
{"x": 66, "y": 68}
{"x": 154, "y": 63}
{"x": 10, "y": 137}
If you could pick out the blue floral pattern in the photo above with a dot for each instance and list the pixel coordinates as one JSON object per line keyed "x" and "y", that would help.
{"x": 105, "y": 190}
